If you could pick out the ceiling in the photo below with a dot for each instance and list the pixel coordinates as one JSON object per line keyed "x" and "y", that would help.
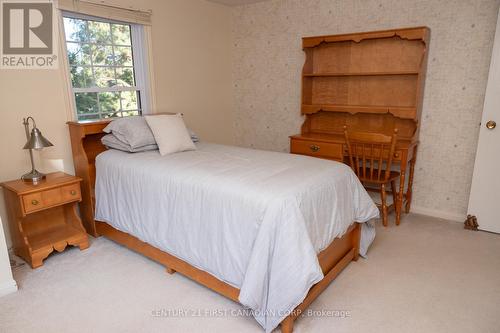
{"x": 236, "y": 2}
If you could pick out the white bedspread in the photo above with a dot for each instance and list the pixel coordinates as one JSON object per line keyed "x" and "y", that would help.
{"x": 252, "y": 218}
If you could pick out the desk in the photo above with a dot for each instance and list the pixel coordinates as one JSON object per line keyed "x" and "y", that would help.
{"x": 332, "y": 146}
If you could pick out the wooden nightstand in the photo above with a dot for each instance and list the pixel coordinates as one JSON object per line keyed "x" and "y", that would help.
{"x": 43, "y": 217}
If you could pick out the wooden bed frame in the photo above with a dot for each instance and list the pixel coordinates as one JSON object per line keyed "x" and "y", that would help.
{"x": 86, "y": 145}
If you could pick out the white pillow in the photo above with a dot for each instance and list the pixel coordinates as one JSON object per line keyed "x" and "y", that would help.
{"x": 170, "y": 133}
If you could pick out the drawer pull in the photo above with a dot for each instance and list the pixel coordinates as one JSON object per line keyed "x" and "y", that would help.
{"x": 396, "y": 155}
{"x": 314, "y": 148}
{"x": 72, "y": 192}
{"x": 34, "y": 202}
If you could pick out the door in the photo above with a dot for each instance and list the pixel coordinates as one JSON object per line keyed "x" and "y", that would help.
{"x": 484, "y": 201}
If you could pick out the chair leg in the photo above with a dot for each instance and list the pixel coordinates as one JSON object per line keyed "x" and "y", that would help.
{"x": 383, "y": 196}
{"x": 400, "y": 198}
{"x": 394, "y": 195}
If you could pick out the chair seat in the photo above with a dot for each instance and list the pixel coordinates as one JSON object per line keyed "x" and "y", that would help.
{"x": 373, "y": 180}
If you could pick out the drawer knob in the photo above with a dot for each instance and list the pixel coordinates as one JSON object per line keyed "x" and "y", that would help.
{"x": 72, "y": 192}
{"x": 34, "y": 202}
{"x": 314, "y": 148}
{"x": 396, "y": 155}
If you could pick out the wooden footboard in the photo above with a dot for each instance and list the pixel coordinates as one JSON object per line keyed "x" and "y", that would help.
{"x": 86, "y": 145}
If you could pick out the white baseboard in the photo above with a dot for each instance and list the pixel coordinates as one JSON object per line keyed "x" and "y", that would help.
{"x": 439, "y": 214}
{"x": 8, "y": 287}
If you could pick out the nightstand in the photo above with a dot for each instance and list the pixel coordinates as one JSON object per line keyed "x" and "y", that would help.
{"x": 43, "y": 218}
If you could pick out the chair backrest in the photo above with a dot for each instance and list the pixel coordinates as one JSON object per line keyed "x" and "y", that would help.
{"x": 371, "y": 154}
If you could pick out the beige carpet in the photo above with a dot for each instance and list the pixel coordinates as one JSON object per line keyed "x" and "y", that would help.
{"x": 427, "y": 275}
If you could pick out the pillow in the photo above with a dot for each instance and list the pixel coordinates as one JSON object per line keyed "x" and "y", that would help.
{"x": 170, "y": 133}
{"x": 133, "y": 131}
{"x": 111, "y": 141}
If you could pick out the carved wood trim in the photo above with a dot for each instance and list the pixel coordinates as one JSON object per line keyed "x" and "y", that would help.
{"x": 404, "y": 33}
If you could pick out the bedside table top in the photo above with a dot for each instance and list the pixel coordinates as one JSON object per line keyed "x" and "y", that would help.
{"x": 55, "y": 179}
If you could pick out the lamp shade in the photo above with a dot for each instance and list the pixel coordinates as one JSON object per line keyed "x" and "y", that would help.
{"x": 36, "y": 140}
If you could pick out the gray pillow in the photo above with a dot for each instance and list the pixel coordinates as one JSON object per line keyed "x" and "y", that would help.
{"x": 111, "y": 141}
{"x": 133, "y": 131}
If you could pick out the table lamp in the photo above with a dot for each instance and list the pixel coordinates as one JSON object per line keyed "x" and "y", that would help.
{"x": 35, "y": 141}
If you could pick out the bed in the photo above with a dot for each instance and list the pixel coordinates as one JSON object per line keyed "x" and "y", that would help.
{"x": 268, "y": 230}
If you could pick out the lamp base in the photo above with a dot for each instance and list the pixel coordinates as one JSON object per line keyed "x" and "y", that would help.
{"x": 33, "y": 177}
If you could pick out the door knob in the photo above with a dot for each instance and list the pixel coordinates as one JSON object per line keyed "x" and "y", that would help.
{"x": 491, "y": 124}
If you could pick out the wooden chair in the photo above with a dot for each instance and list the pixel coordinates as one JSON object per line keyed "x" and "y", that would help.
{"x": 370, "y": 156}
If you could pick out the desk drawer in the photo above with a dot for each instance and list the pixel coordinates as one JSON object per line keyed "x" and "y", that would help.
{"x": 397, "y": 155}
{"x": 52, "y": 197}
{"x": 395, "y": 158}
{"x": 332, "y": 151}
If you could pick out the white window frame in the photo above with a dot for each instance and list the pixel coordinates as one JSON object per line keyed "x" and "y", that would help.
{"x": 140, "y": 64}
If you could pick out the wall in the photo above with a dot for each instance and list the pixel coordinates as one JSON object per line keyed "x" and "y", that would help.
{"x": 191, "y": 53}
{"x": 7, "y": 283}
{"x": 267, "y": 62}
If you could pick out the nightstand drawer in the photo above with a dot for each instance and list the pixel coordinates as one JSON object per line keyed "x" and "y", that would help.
{"x": 32, "y": 202}
{"x": 51, "y": 197}
{"x": 320, "y": 149}
{"x": 71, "y": 192}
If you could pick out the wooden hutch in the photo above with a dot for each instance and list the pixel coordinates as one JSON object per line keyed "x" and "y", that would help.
{"x": 371, "y": 82}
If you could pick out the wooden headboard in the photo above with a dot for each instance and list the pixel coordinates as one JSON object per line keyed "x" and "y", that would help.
{"x": 86, "y": 145}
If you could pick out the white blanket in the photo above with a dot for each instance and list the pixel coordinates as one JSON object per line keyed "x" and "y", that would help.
{"x": 252, "y": 218}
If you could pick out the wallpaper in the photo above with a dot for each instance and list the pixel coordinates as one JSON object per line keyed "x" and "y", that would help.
{"x": 268, "y": 59}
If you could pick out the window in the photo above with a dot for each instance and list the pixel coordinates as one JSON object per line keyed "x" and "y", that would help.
{"x": 106, "y": 65}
